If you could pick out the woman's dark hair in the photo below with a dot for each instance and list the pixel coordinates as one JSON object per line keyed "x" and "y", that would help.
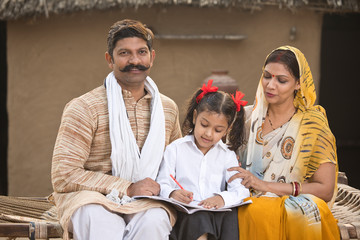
{"x": 287, "y": 58}
{"x": 221, "y": 103}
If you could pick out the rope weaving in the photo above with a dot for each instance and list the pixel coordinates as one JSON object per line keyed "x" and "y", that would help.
{"x": 20, "y": 209}
{"x": 347, "y": 210}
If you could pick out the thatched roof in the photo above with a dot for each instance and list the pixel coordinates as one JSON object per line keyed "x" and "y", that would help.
{"x": 13, "y": 9}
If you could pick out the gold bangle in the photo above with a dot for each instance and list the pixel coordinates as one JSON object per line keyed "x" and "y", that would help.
{"x": 293, "y": 188}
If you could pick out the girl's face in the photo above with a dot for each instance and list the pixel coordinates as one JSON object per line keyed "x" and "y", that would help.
{"x": 279, "y": 84}
{"x": 209, "y": 128}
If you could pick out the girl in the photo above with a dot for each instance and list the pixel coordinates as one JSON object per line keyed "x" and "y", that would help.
{"x": 200, "y": 161}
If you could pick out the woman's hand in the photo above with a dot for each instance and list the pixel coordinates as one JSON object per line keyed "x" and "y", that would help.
{"x": 213, "y": 202}
{"x": 182, "y": 195}
{"x": 248, "y": 179}
{"x": 321, "y": 184}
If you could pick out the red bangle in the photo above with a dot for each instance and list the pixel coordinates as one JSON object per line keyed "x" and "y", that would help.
{"x": 297, "y": 188}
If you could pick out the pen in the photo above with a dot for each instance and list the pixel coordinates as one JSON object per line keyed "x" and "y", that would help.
{"x": 176, "y": 181}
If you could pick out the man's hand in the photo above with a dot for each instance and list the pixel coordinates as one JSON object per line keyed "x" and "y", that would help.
{"x": 147, "y": 187}
{"x": 213, "y": 202}
{"x": 182, "y": 195}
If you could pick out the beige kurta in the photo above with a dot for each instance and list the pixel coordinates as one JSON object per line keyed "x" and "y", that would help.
{"x": 81, "y": 164}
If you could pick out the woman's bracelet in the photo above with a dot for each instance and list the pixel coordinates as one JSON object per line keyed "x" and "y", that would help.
{"x": 296, "y": 188}
{"x": 293, "y": 188}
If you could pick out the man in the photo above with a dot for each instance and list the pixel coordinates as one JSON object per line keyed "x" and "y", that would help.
{"x": 110, "y": 145}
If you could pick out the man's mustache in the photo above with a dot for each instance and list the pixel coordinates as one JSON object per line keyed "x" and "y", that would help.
{"x": 133, "y": 66}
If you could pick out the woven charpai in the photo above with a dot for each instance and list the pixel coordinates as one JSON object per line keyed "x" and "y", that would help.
{"x": 347, "y": 210}
{"x": 24, "y": 210}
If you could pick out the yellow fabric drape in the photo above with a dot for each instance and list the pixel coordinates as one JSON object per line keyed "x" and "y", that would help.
{"x": 317, "y": 143}
{"x": 271, "y": 218}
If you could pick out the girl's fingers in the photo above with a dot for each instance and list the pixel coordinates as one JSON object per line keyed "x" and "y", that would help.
{"x": 190, "y": 196}
{"x": 207, "y": 205}
{"x": 185, "y": 199}
{"x": 186, "y": 196}
{"x": 181, "y": 196}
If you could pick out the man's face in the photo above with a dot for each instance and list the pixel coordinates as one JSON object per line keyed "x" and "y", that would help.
{"x": 131, "y": 62}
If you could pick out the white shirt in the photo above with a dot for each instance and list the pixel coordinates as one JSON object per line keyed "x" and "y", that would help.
{"x": 204, "y": 175}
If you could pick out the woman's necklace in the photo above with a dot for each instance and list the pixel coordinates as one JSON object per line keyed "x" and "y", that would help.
{"x": 267, "y": 114}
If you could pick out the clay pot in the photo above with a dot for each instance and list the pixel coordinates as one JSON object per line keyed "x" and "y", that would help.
{"x": 223, "y": 81}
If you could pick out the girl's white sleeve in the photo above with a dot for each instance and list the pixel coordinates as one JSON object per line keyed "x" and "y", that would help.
{"x": 167, "y": 167}
{"x": 236, "y": 192}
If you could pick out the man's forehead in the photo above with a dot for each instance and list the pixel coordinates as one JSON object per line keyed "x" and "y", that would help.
{"x": 131, "y": 42}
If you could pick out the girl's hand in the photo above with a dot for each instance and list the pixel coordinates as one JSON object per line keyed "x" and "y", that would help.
{"x": 182, "y": 195}
{"x": 213, "y": 202}
{"x": 248, "y": 179}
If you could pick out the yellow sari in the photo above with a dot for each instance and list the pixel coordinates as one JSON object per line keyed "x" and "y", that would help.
{"x": 292, "y": 153}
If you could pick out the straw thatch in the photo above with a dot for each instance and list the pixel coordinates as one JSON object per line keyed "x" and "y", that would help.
{"x": 14, "y": 9}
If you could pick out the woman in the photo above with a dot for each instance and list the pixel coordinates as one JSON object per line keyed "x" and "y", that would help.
{"x": 290, "y": 160}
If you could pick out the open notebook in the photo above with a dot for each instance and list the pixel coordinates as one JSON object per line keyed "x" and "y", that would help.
{"x": 192, "y": 206}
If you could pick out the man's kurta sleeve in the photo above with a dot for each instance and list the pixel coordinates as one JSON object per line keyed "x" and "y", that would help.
{"x": 72, "y": 149}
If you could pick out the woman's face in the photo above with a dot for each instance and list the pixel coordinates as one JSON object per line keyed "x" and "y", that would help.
{"x": 279, "y": 84}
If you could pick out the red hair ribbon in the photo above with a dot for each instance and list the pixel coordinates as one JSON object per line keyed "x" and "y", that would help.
{"x": 237, "y": 100}
{"x": 206, "y": 89}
